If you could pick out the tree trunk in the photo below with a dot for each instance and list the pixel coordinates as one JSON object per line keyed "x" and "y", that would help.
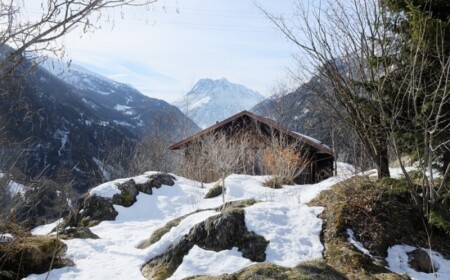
{"x": 446, "y": 163}
{"x": 382, "y": 163}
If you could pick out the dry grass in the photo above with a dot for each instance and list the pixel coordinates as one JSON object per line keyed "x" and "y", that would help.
{"x": 381, "y": 214}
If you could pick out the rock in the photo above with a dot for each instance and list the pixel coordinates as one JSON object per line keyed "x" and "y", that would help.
{"x": 157, "y": 180}
{"x": 127, "y": 195}
{"x": 145, "y": 188}
{"x": 420, "y": 261}
{"x": 214, "y": 191}
{"x": 7, "y": 275}
{"x": 237, "y": 204}
{"x": 31, "y": 254}
{"x": 217, "y": 233}
{"x": 94, "y": 210}
{"x": 78, "y": 232}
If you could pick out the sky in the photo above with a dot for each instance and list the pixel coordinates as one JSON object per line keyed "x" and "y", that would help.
{"x": 164, "y": 51}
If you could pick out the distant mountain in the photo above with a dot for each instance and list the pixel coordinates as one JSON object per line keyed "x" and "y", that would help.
{"x": 77, "y": 126}
{"x": 49, "y": 131}
{"x": 210, "y": 101}
{"x": 122, "y": 104}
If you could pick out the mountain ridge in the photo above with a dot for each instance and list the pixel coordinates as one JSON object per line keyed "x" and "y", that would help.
{"x": 212, "y": 100}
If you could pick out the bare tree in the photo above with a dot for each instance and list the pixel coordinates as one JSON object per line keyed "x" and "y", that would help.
{"x": 57, "y": 18}
{"x": 215, "y": 156}
{"x": 388, "y": 67}
{"x": 224, "y": 154}
{"x": 421, "y": 114}
{"x": 338, "y": 41}
{"x": 280, "y": 111}
{"x": 284, "y": 160}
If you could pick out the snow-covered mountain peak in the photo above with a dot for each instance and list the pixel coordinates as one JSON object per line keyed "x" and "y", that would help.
{"x": 212, "y": 100}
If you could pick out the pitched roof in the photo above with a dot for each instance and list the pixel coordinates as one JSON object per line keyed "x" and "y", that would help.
{"x": 303, "y": 138}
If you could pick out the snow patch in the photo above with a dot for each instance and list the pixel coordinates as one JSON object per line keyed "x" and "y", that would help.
{"x": 6, "y": 238}
{"x": 127, "y": 110}
{"x": 105, "y": 174}
{"x": 293, "y": 231}
{"x": 397, "y": 260}
{"x": 122, "y": 123}
{"x": 357, "y": 244}
{"x": 202, "y": 101}
{"x": 63, "y": 135}
{"x": 46, "y": 229}
{"x": 14, "y": 188}
{"x": 108, "y": 190}
{"x": 211, "y": 263}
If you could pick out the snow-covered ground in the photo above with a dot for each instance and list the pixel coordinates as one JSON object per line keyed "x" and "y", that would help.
{"x": 282, "y": 217}
{"x": 397, "y": 260}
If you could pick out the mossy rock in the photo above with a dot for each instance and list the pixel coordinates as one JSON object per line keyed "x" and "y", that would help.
{"x": 33, "y": 254}
{"x": 160, "y": 179}
{"x": 381, "y": 215}
{"x": 78, "y": 232}
{"x": 217, "y": 233}
{"x": 237, "y": 204}
{"x": 316, "y": 270}
{"x": 94, "y": 210}
{"x": 127, "y": 195}
{"x": 157, "y": 234}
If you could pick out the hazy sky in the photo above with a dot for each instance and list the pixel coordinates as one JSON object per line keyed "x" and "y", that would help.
{"x": 165, "y": 51}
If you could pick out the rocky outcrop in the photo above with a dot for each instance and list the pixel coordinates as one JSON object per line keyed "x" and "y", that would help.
{"x": 130, "y": 189}
{"x": 217, "y": 233}
{"x": 420, "y": 261}
{"x": 92, "y": 210}
{"x": 127, "y": 195}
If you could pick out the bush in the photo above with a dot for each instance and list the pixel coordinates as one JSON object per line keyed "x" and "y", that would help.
{"x": 277, "y": 182}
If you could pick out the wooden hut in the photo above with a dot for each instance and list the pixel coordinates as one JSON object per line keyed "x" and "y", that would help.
{"x": 259, "y": 133}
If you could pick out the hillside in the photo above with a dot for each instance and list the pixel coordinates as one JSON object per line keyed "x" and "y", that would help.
{"x": 210, "y": 101}
{"x": 170, "y": 218}
{"x": 65, "y": 132}
{"x": 122, "y": 104}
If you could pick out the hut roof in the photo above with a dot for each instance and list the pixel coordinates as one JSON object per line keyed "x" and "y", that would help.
{"x": 298, "y": 136}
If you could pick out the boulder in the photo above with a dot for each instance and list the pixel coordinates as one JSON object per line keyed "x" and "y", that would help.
{"x": 94, "y": 210}
{"x": 214, "y": 191}
{"x": 157, "y": 180}
{"x": 31, "y": 254}
{"x": 127, "y": 195}
{"x": 217, "y": 233}
{"x": 77, "y": 232}
{"x": 420, "y": 261}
